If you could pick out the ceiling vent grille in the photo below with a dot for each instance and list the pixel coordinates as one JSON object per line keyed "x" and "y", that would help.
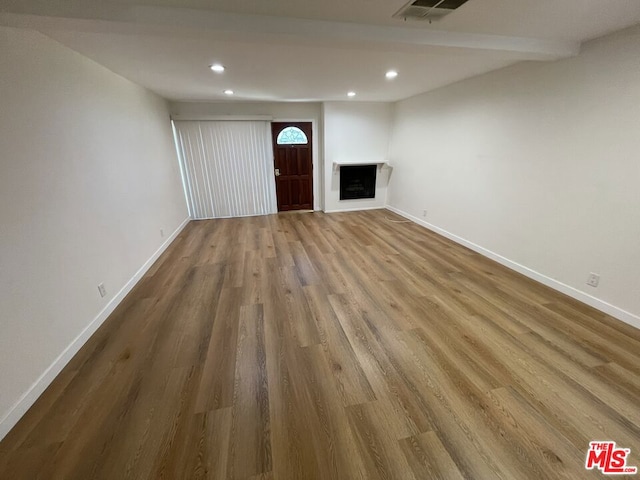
{"x": 428, "y": 10}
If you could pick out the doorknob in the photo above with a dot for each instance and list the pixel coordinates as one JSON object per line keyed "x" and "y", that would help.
{"x": 277, "y": 172}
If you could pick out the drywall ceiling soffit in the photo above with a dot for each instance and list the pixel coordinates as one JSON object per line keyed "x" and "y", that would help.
{"x": 576, "y": 20}
{"x": 250, "y": 27}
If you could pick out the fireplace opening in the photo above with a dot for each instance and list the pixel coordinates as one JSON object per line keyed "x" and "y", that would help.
{"x": 357, "y": 181}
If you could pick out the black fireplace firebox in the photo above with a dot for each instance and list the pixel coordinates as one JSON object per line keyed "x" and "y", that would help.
{"x": 357, "y": 181}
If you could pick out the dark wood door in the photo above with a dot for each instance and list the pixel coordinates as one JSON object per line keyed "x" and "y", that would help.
{"x": 293, "y": 165}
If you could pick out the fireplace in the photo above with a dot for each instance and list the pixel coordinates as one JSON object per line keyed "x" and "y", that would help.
{"x": 357, "y": 181}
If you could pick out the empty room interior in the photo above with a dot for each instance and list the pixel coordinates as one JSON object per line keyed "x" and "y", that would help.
{"x": 349, "y": 239}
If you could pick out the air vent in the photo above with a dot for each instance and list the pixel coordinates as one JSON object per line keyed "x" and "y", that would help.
{"x": 429, "y": 10}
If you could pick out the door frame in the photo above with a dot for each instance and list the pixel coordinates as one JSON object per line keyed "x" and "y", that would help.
{"x": 314, "y": 155}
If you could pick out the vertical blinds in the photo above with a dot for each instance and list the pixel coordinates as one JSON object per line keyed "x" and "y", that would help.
{"x": 227, "y": 167}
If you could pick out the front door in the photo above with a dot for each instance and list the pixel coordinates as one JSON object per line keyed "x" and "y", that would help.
{"x": 293, "y": 165}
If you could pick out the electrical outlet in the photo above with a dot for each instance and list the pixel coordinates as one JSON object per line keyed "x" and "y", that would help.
{"x": 424, "y": 213}
{"x": 593, "y": 280}
{"x": 162, "y": 232}
{"x": 102, "y": 290}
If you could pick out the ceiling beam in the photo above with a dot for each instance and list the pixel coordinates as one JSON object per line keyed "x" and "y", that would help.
{"x": 26, "y": 13}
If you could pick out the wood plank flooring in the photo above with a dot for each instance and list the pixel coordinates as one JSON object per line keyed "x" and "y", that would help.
{"x": 341, "y": 346}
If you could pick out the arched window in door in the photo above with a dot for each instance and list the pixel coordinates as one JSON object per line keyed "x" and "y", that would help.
{"x": 292, "y": 136}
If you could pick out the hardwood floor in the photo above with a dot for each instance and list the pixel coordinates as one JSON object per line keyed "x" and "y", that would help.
{"x": 313, "y": 346}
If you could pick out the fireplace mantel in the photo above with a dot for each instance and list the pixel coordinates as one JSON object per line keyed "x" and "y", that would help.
{"x": 338, "y": 163}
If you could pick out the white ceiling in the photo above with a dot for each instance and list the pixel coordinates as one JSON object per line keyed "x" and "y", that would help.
{"x": 306, "y": 50}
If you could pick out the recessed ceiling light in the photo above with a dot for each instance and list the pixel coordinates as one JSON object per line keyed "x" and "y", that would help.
{"x": 216, "y": 67}
{"x": 351, "y": 94}
{"x": 228, "y": 92}
{"x": 391, "y": 74}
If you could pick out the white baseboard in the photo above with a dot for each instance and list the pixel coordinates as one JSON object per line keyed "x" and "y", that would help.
{"x": 581, "y": 296}
{"x": 40, "y": 385}
{"x": 343, "y": 210}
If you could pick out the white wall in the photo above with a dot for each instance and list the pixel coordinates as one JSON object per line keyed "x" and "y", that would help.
{"x": 355, "y": 132}
{"x": 88, "y": 177}
{"x": 538, "y": 163}
{"x": 280, "y": 111}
